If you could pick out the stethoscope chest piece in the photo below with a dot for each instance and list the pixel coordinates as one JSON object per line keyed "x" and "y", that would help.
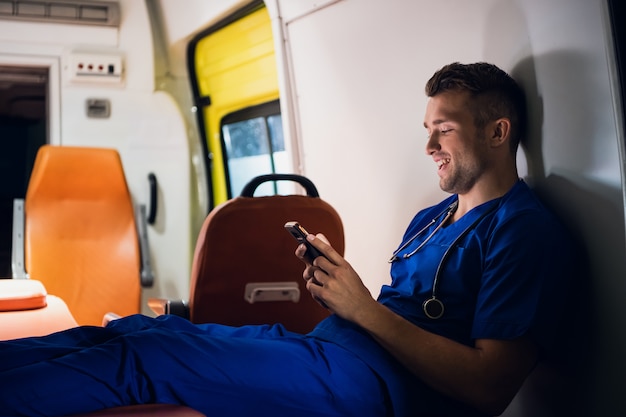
{"x": 433, "y": 308}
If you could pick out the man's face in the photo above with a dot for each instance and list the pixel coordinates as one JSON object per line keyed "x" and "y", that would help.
{"x": 454, "y": 143}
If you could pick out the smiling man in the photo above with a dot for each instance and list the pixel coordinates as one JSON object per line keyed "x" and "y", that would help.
{"x": 478, "y": 281}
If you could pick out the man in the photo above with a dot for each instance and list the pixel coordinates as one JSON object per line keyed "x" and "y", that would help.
{"x": 501, "y": 276}
{"x": 476, "y": 292}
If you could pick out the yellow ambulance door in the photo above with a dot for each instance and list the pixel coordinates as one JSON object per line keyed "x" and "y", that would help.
{"x": 235, "y": 82}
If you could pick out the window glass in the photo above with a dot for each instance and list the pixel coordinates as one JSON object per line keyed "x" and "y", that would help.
{"x": 255, "y": 146}
{"x": 247, "y": 138}
{"x": 282, "y": 162}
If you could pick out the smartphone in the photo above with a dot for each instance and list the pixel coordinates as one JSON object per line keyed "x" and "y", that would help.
{"x": 299, "y": 233}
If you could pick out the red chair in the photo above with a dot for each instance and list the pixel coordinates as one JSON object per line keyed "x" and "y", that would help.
{"x": 244, "y": 269}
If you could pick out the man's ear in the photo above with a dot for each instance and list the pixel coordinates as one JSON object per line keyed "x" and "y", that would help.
{"x": 500, "y": 131}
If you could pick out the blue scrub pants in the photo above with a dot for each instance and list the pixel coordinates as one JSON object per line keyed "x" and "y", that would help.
{"x": 217, "y": 370}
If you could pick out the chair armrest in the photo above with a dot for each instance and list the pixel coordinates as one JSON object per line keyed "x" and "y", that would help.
{"x": 161, "y": 306}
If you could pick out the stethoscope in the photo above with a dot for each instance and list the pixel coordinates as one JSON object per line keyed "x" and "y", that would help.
{"x": 433, "y": 307}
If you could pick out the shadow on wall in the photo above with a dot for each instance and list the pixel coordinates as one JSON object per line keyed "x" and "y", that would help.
{"x": 586, "y": 373}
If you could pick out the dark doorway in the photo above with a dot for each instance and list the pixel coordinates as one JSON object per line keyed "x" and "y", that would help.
{"x": 23, "y": 129}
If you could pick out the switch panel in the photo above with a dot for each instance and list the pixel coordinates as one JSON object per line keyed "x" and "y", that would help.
{"x": 96, "y": 68}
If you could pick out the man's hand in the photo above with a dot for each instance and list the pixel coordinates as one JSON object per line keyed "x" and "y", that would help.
{"x": 332, "y": 281}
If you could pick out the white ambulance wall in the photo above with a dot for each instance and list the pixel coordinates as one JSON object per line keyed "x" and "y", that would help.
{"x": 357, "y": 71}
{"x": 145, "y": 126}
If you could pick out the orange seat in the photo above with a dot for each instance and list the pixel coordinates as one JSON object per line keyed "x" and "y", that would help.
{"x": 244, "y": 269}
{"x": 80, "y": 233}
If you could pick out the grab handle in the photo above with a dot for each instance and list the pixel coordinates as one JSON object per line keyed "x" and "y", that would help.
{"x": 251, "y": 186}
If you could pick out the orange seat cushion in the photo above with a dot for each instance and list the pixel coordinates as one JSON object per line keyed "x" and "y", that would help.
{"x": 21, "y": 294}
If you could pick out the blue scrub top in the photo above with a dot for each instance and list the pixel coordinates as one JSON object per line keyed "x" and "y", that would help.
{"x": 505, "y": 278}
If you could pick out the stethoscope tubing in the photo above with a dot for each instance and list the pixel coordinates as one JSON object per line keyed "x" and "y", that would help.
{"x": 448, "y": 212}
{"x": 433, "y": 301}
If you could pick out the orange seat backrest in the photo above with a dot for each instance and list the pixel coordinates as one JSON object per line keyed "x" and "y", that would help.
{"x": 80, "y": 235}
{"x": 243, "y": 241}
